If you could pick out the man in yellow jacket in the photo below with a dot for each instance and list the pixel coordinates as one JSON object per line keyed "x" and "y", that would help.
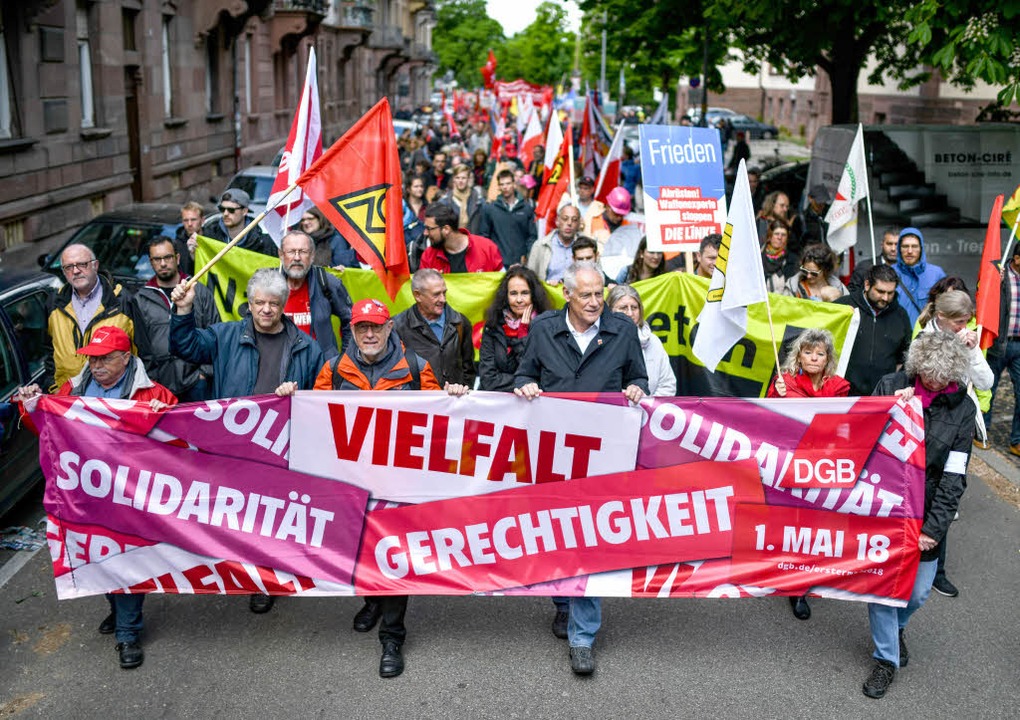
{"x": 88, "y": 301}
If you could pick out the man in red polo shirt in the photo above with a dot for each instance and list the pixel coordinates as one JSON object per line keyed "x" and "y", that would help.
{"x": 455, "y": 250}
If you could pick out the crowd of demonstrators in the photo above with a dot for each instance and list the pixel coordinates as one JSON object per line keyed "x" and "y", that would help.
{"x": 518, "y": 299}
{"x": 883, "y": 333}
{"x": 887, "y": 256}
{"x": 816, "y": 277}
{"x": 377, "y": 360}
{"x": 625, "y": 300}
{"x": 583, "y": 348}
{"x": 436, "y": 331}
{"x": 151, "y": 309}
{"x": 646, "y": 264}
{"x": 917, "y": 275}
{"x": 111, "y": 371}
{"x": 778, "y": 261}
{"x": 233, "y": 218}
{"x": 509, "y": 221}
{"x": 331, "y": 249}
{"x": 550, "y": 255}
{"x": 936, "y": 371}
{"x": 452, "y": 248}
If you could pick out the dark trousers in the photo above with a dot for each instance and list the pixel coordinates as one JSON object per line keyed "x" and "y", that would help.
{"x": 391, "y": 619}
{"x": 128, "y": 611}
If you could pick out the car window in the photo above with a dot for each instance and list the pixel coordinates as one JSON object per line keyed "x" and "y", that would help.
{"x": 119, "y": 247}
{"x": 9, "y": 378}
{"x": 28, "y": 318}
{"x": 258, "y": 187}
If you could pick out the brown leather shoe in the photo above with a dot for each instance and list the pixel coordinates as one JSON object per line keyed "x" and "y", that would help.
{"x": 1014, "y": 450}
{"x": 981, "y": 445}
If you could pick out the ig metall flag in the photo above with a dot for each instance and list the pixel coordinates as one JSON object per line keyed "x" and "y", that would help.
{"x": 738, "y": 280}
{"x": 853, "y": 187}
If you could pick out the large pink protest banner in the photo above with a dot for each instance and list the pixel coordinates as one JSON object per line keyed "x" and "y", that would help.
{"x": 571, "y": 495}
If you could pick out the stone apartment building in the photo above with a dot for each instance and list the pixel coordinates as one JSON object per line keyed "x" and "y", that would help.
{"x": 108, "y": 102}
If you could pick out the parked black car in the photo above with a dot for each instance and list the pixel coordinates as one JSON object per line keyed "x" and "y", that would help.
{"x": 23, "y": 300}
{"x": 118, "y": 238}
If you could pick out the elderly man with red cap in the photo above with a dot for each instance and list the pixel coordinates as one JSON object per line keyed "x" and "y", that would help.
{"x": 113, "y": 372}
{"x": 378, "y": 360}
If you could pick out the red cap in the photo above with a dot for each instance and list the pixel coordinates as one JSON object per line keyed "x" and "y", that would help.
{"x": 371, "y": 311}
{"x": 105, "y": 340}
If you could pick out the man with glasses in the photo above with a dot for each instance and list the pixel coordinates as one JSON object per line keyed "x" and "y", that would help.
{"x": 151, "y": 309}
{"x": 452, "y": 249}
{"x": 113, "y": 372}
{"x": 312, "y": 304}
{"x": 233, "y": 219}
{"x": 88, "y": 300}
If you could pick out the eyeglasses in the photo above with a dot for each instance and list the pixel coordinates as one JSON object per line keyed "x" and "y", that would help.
{"x": 297, "y": 253}
{"x": 430, "y": 228}
{"x": 224, "y": 208}
{"x": 76, "y": 266}
{"x": 810, "y": 273}
{"x": 161, "y": 259}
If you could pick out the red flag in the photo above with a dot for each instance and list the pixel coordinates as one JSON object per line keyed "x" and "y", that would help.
{"x": 489, "y": 70}
{"x": 304, "y": 147}
{"x": 609, "y": 175}
{"x": 556, "y": 181}
{"x": 356, "y": 183}
{"x": 989, "y": 278}
{"x": 454, "y": 130}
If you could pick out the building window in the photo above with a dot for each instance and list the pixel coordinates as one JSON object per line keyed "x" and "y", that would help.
{"x": 88, "y": 108}
{"x": 247, "y": 74}
{"x": 168, "y": 79}
{"x": 127, "y": 18}
{"x": 212, "y": 72}
{"x": 7, "y": 115}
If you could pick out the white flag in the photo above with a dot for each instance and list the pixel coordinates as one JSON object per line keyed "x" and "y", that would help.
{"x": 304, "y": 146}
{"x": 738, "y": 280}
{"x": 853, "y": 187}
{"x": 661, "y": 114}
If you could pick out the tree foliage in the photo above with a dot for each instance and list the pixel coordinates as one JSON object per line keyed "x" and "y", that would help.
{"x": 543, "y": 52}
{"x": 462, "y": 38}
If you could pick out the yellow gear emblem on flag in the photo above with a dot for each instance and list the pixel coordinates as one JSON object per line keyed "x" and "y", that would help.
{"x": 365, "y": 211}
{"x": 720, "y": 263}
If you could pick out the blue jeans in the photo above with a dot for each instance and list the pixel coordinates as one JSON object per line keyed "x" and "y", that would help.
{"x": 585, "y": 621}
{"x": 886, "y": 622}
{"x": 1009, "y": 360}
{"x": 128, "y": 611}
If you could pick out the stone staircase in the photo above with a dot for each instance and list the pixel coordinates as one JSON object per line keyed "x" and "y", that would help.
{"x": 898, "y": 187}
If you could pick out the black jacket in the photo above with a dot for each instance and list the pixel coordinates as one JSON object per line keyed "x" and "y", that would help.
{"x": 499, "y": 358}
{"x": 999, "y": 346}
{"x": 881, "y": 344}
{"x": 453, "y": 358}
{"x": 513, "y": 230}
{"x": 948, "y": 434}
{"x": 255, "y": 240}
{"x": 612, "y": 362}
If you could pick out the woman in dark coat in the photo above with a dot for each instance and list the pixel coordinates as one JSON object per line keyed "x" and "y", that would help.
{"x": 519, "y": 298}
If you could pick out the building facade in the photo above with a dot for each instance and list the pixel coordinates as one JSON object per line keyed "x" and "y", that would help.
{"x": 108, "y": 102}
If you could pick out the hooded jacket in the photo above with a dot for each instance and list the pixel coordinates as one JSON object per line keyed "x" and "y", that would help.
{"x": 915, "y": 280}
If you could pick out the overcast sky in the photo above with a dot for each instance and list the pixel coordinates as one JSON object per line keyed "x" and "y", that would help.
{"x": 515, "y": 15}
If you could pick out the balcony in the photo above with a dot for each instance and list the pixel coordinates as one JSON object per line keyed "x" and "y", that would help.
{"x": 312, "y": 7}
{"x": 356, "y": 15}
{"x": 386, "y": 37}
{"x": 294, "y": 19}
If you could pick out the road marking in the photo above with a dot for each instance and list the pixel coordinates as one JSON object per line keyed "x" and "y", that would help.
{"x": 12, "y": 566}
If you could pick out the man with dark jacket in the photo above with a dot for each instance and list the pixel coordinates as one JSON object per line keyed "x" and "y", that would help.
{"x": 436, "y": 331}
{"x": 151, "y": 310}
{"x": 886, "y": 256}
{"x": 89, "y": 299}
{"x": 509, "y": 221}
{"x": 378, "y": 360}
{"x": 315, "y": 296}
{"x": 583, "y": 348}
{"x": 233, "y": 219}
{"x": 883, "y": 335}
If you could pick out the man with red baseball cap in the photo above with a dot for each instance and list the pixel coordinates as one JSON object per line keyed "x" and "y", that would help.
{"x": 379, "y": 361}
{"x": 113, "y": 372}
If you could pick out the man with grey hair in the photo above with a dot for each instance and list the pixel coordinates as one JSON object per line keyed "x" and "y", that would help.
{"x": 584, "y": 348}
{"x": 315, "y": 295}
{"x": 88, "y": 300}
{"x": 436, "y": 331}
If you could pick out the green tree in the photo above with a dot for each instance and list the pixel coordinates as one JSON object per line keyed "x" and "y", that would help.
{"x": 462, "y": 38}
{"x": 542, "y": 53}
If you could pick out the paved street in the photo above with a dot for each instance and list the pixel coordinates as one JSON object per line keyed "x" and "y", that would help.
{"x": 495, "y": 657}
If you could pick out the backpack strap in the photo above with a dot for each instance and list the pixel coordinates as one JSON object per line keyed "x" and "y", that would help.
{"x": 412, "y": 364}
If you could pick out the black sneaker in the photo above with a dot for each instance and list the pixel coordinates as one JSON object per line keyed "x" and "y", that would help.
{"x": 880, "y": 679}
{"x": 259, "y": 604}
{"x": 582, "y": 660}
{"x": 944, "y": 587}
{"x": 559, "y": 624}
{"x": 904, "y": 653}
